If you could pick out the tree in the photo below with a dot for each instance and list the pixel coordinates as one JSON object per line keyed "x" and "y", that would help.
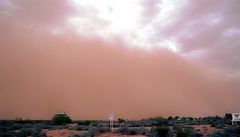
{"x": 228, "y": 116}
{"x": 170, "y": 118}
{"x": 61, "y": 118}
{"x": 120, "y": 120}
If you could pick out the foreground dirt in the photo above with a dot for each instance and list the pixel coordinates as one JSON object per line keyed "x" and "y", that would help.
{"x": 66, "y": 133}
{"x": 117, "y": 135}
{"x": 61, "y": 133}
{"x": 204, "y": 129}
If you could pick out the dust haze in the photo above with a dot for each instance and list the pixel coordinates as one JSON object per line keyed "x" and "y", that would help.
{"x": 56, "y": 55}
{"x": 88, "y": 78}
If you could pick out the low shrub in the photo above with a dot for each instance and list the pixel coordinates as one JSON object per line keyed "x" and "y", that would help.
{"x": 162, "y": 131}
{"x": 15, "y": 127}
{"x": 181, "y": 133}
{"x": 131, "y": 131}
{"x": 25, "y": 132}
{"x": 170, "y": 118}
{"x": 92, "y": 131}
{"x": 159, "y": 121}
{"x": 61, "y": 118}
{"x": 186, "y": 131}
{"x": 85, "y": 122}
{"x": 8, "y": 134}
{"x": 82, "y": 127}
{"x": 123, "y": 130}
{"x": 120, "y": 120}
{"x": 57, "y": 127}
{"x": 103, "y": 129}
{"x": 3, "y": 129}
{"x": 83, "y": 134}
{"x": 232, "y": 131}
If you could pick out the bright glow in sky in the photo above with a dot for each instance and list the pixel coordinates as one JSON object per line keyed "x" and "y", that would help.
{"x": 123, "y": 18}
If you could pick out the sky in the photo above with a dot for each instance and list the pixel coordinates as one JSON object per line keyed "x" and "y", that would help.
{"x": 136, "y": 58}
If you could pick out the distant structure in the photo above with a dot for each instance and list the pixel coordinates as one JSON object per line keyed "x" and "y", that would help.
{"x": 111, "y": 119}
{"x": 235, "y": 118}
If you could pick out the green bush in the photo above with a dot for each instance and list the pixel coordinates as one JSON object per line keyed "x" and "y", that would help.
{"x": 25, "y": 132}
{"x": 186, "y": 131}
{"x": 181, "y": 133}
{"x": 159, "y": 121}
{"x": 15, "y": 126}
{"x": 120, "y": 120}
{"x": 176, "y": 117}
{"x": 26, "y": 121}
{"x": 162, "y": 131}
{"x": 131, "y": 131}
{"x": 8, "y": 134}
{"x": 170, "y": 118}
{"x": 61, "y": 118}
{"x": 87, "y": 122}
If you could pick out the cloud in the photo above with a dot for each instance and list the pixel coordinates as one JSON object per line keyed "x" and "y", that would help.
{"x": 210, "y": 27}
{"x": 40, "y": 12}
{"x": 150, "y": 10}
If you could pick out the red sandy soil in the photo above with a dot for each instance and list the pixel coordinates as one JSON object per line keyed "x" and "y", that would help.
{"x": 66, "y": 133}
{"x": 61, "y": 133}
{"x": 117, "y": 135}
{"x": 204, "y": 129}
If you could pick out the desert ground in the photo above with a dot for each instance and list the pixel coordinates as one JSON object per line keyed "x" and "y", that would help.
{"x": 63, "y": 126}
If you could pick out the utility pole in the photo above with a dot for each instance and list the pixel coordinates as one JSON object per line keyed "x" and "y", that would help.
{"x": 111, "y": 119}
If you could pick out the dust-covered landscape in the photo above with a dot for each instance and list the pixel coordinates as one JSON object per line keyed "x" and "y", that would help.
{"x": 161, "y": 68}
{"x": 61, "y": 125}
